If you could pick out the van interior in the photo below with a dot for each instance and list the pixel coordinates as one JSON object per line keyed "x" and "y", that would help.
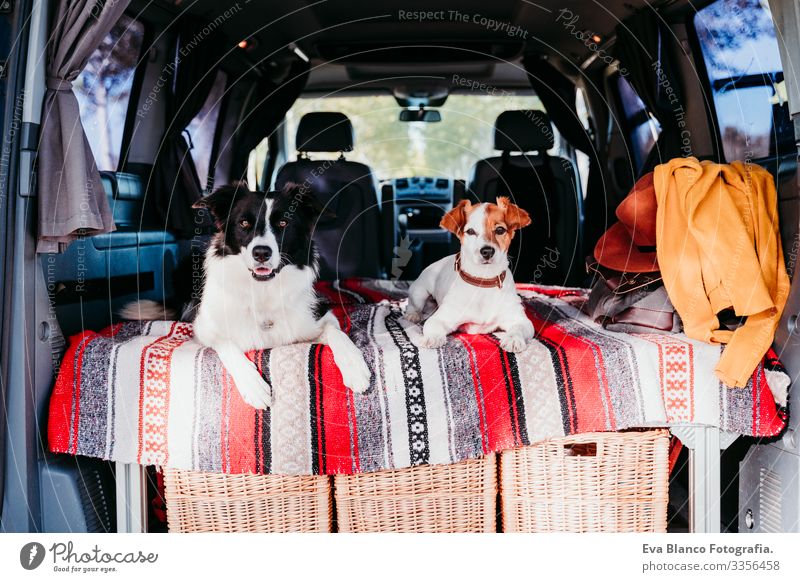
{"x": 392, "y": 112}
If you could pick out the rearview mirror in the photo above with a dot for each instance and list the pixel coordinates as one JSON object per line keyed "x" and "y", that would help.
{"x": 425, "y": 115}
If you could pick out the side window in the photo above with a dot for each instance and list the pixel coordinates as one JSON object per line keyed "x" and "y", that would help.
{"x": 641, "y": 128}
{"x": 104, "y": 87}
{"x": 203, "y": 127}
{"x": 255, "y": 165}
{"x": 582, "y": 158}
{"x": 740, "y": 50}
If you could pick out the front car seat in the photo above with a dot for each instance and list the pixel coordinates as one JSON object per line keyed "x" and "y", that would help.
{"x": 348, "y": 239}
{"x": 546, "y": 252}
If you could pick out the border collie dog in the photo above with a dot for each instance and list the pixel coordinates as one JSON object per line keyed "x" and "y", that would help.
{"x": 473, "y": 291}
{"x": 258, "y": 287}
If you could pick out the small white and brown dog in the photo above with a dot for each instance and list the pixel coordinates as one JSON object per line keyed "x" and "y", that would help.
{"x": 473, "y": 291}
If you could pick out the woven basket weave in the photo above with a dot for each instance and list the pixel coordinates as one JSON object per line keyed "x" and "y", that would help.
{"x": 425, "y": 499}
{"x": 213, "y": 502}
{"x": 596, "y": 482}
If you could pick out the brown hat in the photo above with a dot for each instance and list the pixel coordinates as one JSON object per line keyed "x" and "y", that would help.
{"x": 630, "y": 245}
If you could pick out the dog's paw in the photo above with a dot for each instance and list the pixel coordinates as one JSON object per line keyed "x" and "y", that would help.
{"x": 512, "y": 342}
{"x": 412, "y": 316}
{"x": 254, "y": 390}
{"x": 431, "y": 341}
{"x": 356, "y": 375}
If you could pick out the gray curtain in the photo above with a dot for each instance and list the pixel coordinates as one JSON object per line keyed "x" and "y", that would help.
{"x": 644, "y": 46}
{"x": 786, "y": 14}
{"x": 72, "y": 201}
{"x": 174, "y": 186}
{"x": 274, "y": 99}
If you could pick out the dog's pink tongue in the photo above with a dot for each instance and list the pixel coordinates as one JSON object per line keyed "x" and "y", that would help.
{"x": 262, "y": 270}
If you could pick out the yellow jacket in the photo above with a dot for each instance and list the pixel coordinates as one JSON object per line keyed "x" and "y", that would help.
{"x": 719, "y": 247}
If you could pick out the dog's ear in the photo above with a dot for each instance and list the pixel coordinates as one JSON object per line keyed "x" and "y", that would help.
{"x": 455, "y": 220}
{"x": 303, "y": 198}
{"x": 221, "y": 200}
{"x": 515, "y": 216}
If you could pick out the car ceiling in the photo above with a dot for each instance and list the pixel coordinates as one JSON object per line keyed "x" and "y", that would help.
{"x": 368, "y": 44}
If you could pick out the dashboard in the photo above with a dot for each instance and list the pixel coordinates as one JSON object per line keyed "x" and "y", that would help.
{"x": 425, "y": 187}
{"x": 420, "y": 202}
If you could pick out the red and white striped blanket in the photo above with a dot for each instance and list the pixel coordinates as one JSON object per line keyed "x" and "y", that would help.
{"x": 147, "y": 393}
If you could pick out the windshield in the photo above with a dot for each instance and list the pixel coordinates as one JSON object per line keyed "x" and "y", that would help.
{"x": 393, "y": 148}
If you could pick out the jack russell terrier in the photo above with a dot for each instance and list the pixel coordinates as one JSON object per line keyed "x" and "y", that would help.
{"x": 473, "y": 291}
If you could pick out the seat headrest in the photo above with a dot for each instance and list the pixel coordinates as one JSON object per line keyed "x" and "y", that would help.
{"x": 324, "y": 131}
{"x": 122, "y": 185}
{"x": 523, "y": 131}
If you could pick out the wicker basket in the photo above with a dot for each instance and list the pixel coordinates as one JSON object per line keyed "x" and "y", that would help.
{"x": 597, "y": 482}
{"x": 212, "y": 502}
{"x": 428, "y": 499}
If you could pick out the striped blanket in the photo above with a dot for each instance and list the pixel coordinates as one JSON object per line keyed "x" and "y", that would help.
{"x": 147, "y": 393}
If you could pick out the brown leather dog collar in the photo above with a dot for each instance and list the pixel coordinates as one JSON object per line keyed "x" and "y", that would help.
{"x": 479, "y": 281}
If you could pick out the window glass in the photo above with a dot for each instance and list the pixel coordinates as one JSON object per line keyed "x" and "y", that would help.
{"x": 582, "y": 159}
{"x": 740, "y": 50}
{"x": 104, "y": 87}
{"x": 393, "y": 148}
{"x": 255, "y": 165}
{"x": 641, "y": 127}
{"x": 202, "y": 128}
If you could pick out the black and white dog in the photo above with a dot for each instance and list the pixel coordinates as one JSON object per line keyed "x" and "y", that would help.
{"x": 258, "y": 287}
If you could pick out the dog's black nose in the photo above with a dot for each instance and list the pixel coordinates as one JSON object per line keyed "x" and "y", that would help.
{"x": 262, "y": 253}
{"x": 487, "y": 252}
